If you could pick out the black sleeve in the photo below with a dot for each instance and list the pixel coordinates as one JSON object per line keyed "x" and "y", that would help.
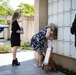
{"x": 73, "y": 28}
{"x": 15, "y": 26}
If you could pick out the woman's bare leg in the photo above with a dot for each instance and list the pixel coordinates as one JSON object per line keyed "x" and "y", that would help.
{"x": 14, "y": 49}
{"x": 39, "y": 59}
{"x": 15, "y": 60}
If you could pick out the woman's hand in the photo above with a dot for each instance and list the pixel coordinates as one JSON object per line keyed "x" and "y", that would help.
{"x": 18, "y": 31}
{"x": 21, "y": 32}
{"x": 51, "y": 38}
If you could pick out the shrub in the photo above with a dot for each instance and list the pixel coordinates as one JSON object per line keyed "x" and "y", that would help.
{"x": 25, "y": 46}
{"x": 5, "y": 48}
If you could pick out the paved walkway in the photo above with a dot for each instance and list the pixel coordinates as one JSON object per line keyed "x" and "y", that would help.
{"x": 4, "y": 41}
{"x": 27, "y": 62}
{"x": 27, "y": 66}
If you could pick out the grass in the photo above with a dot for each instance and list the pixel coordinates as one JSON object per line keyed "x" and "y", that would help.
{"x": 7, "y": 48}
{"x": 64, "y": 70}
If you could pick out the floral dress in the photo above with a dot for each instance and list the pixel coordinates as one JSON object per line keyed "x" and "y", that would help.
{"x": 38, "y": 40}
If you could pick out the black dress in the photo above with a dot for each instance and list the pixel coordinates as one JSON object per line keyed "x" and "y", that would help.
{"x": 15, "y": 37}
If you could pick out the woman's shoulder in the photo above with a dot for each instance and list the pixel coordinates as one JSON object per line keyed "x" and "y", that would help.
{"x": 14, "y": 21}
{"x": 47, "y": 28}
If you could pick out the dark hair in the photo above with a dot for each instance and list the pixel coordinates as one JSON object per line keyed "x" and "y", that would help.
{"x": 15, "y": 15}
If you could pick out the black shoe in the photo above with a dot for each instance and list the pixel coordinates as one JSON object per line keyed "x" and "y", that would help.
{"x": 15, "y": 62}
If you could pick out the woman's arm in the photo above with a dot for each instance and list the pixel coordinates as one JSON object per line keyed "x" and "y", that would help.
{"x": 18, "y": 31}
{"x": 48, "y": 34}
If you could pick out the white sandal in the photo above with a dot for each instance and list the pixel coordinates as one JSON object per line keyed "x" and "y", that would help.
{"x": 39, "y": 65}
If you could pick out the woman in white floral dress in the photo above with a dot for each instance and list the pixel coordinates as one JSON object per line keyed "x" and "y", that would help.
{"x": 38, "y": 40}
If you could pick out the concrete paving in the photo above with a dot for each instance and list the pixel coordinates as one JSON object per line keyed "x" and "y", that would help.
{"x": 27, "y": 66}
{"x": 4, "y": 41}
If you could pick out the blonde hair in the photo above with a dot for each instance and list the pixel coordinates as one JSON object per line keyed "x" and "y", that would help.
{"x": 15, "y": 15}
{"x": 52, "y": 26}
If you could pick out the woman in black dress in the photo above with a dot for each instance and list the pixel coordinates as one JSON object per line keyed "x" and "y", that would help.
{"x": 15, "y": 37}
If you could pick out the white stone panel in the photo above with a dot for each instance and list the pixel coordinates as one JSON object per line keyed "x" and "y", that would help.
{"x": 60, "y": 6}
{"x": 55, "y": 19}
{"x": 50, "y": 9}
{"x": 55, "y": 8}
{"x": 50, "y": 20}
{"x": 67, "y": 5}
{"x": 55, "y": 46}
{"x": 60, "y": 33}
{"x": 67, "y": 34}
{"x": 67, "y": 19}
{"x": 72, "y": 38}
{"x": 67, "y": 49}
{"x": 49, "y": 1}
{"x": 54, "y": 0}
{"x": 60, "y": 20}
{"x": 73, "y": 4}
{"x": 60, "y": 47}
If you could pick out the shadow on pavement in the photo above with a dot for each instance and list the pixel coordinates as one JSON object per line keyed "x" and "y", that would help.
{"x": 26, "y": 68}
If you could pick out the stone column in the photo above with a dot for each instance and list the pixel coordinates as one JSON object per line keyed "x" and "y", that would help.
{"x": 41, "y": 15}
